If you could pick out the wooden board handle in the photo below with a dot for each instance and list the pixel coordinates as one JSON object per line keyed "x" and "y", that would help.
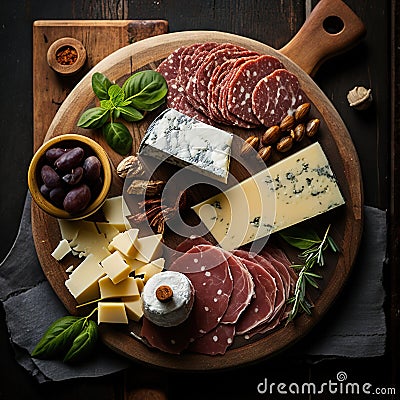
{"x": 331, "y": 28}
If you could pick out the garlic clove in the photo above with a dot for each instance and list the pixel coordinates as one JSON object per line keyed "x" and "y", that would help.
{"x": 359, "y": 98}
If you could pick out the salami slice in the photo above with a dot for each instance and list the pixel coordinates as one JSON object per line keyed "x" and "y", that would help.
{"x": 214, "y": 342}
{"x": 175, "y": 94}
{"x": 244, "y": 81}
{"x": 169, "y": 68}
{"x": 242, "y": 293}
{"x": 261, "y": 306}
{"x": 207, "y": 268}
{"x": 276, "y": 96}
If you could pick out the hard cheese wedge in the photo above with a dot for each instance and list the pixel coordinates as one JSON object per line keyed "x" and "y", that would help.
{"x": 186, "y": 142}
{"x": 112, "y": 313}
{"x": 292, "y": 190}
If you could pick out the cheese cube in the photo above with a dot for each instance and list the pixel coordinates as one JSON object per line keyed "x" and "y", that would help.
{"x": 149, "y": 248}
{"x": 151, "y": 269}
{"x": 296, "y": 188}
{"x": 112, "y": 313}
{"x": 133, "y": 307}
{"x": 61, "y": 250}
{"x": 113, "y": 209}
{"x": 124, "y": 242}
{"x": 127, "y": 287}
{"x": 83, "y": 281}
{"x": 115, "y": 267}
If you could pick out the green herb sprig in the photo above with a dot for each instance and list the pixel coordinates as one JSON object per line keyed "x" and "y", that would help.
{"x": 313, "y": 254}
{"x": 68, "y": 337}
{"x": 143, "y": 91}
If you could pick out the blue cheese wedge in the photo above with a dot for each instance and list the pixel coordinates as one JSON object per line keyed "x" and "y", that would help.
{"x": 183, "y": 141}
{"x": 296, "y": 188}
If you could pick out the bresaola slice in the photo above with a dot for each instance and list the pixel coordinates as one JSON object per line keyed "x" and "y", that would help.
{"x": 261, "y": 306}
{"x": 243, "y": 290}
{"x": 214, "y": 342}
{"x": 276, "y": 96}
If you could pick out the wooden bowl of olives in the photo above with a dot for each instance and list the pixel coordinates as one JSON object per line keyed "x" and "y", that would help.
{"x": 69, "y": 176}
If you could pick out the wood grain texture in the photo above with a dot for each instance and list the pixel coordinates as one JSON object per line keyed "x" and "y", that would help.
{"x": 338, "y": 147}
{"x": 49, "y": 88}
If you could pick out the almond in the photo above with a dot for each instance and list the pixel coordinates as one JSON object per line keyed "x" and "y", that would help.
{"x": 287, "y": 123}
{"x": 285, "y": 144}
{"x": 251, "y": 143}
{"x": 302, "y": 111}
{"x": 271, "y": 135}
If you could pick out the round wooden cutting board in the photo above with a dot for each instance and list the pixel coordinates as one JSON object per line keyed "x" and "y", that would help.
{"x": 334, "y": 138}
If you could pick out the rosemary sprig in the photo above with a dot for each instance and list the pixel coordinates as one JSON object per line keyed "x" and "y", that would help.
{"x": 312, "y": 254}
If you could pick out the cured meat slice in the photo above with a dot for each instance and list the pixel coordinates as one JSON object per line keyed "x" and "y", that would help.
{"x": 175, "y": 93}
{"x": 214, "y": 342}
{"x": 244, "y": 81}
{"x": 276, "y": 96}
{"x": 190, "y": 242}
{"x": 242, "y": 293}
{"x": 282, "y": 269}
{"x": 171, "y": 340}
{"x": 207, "y": 268}
{"x": 169, "y": 68}
{"x": 269, "y": 267}
{"x": 261, "y": 306}
{"x": 216, "y": 57}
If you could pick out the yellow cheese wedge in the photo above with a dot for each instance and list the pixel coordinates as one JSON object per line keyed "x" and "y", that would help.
{"x": 83, "y": 281}
{"x": 149, "y": 248}
{"x": 133, "y": 307}
{"x": 127, "y": 287}
{"x": 140, "y": 284}
{"x": 296, "y": 188}
{"x": 111, "y": 312}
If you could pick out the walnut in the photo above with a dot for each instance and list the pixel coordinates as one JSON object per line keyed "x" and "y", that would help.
{"x": 130, "y": 167}
{"x": 359, "y": 98}
{"x": 150, "y": 188}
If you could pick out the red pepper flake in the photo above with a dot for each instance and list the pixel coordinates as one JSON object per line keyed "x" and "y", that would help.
{"x": 66, "y": 55}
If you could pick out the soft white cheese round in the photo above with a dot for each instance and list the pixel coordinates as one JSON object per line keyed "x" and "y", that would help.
{"x": 174, "y": 311}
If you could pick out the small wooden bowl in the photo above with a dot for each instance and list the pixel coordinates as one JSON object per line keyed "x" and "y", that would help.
{"x": 69, "y": 141}
{"x": 66, "y": 44}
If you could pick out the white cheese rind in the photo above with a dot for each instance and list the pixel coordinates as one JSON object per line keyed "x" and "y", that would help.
{"x": 186, "y": 142}
{"x": 297, "y": 188}
{"x": 177, "y": 309}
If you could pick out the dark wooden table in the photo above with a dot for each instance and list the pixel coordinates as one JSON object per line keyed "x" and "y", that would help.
{"x": 373, "y": 63}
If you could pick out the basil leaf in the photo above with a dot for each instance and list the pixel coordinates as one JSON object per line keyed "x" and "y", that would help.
{"x": 93, "y": 118}
{"x": 83, "y": 343}
{"x": 140, "y": 105}
{"x": 100, "y": 85}
{"x": 116, "y": 94}
{"x": 118, "y": 137}
{"x": 58, "y": 337}
{"x": 130, "y": 114}
{"x": 145, "y": 88}
{"x": 299, "y": 237}
{"x": 106, "y": 104}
